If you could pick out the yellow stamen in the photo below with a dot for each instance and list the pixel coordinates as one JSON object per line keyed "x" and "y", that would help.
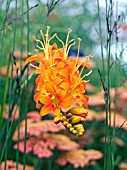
{"x": 43, "y": 37}
{"x": 79, "y": 42}
{"x": 76, "y": 61}
{"x": 69, "y": 48}
{"x": 34, "y": 66}
{"x": 87, "y": 74}
{"x": 55, "y": 101}
{"x": 60, "y": 40}
{"x": 66, "y": 45}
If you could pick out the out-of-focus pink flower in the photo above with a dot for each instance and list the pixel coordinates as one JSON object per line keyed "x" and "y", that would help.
{"x": 39, "y": 146}
{"x": 90, "y": 88}
{"x": 29, "y": 145}
{"x": 36, "y": 128}
{"x": 121, "y": 94}
{"x": 93, "y": 154}
{"x": 34, "y": 115}
{"x": 41, "y": 150}
{"x": 87, "y": 138}
{"x": 3, "y": 70}
{"x": 116, "y": 140}
{"x": 18, "y": 55}
{"x": 123, "y": 166}
{"x": 80, "y": 158}
{"x": 93, "y": 115}
{"x": 63, "y": 143}
{"x": 97, "y": 99}
{"x": 14, "y": 115}
{"x": 11, "y": 165}
{"x": 42, "y": 146}
{"x": 119, "y": 120}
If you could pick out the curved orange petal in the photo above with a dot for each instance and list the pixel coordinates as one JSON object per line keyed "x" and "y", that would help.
{"x": 60, "y": 64}
{"x": 45, "y": 99}
{"x": 66, "y": 101}
{"x": 57, "y": 81}
{"x": 38, "y": 71}
{"x": 63, "y": 72}
{"x": 49, "y": 88}
{"x": 46, "y": 109}
{"x": 35, "y": 57}
{"x": 38, "y": 106}
{"x": 37, "y": 96}
{"x": 57, "y": 112}
{"x": 61, "y": 94}
{"x": 65, "y": 85}
{"x": 40, "y": 78}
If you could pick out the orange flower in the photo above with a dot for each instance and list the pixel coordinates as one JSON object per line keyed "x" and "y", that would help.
{"x": 61, "y": 99}
{"x": 59, "y": 82}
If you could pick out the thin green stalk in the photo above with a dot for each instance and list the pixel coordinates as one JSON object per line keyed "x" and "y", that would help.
{"x": 10, "y": 84}
{"x": 108, "y": 108}
{"x": 109, "y": 151}
{"x": 27, "y": 87}
{"x": 116, "y": 67}
{"x": 5, "y": 92}
{"x": 108, "y": 163}
{"x": 109, "y": 85}
{"x": 8, "y": 119}
{"x": 10, "y": 127}
{"x": 4, "y": 21}
{"x": 116, "y": 82}
{"x": 9, "y": 130}
{"x": 106, "y": 133}
{"x": 22, "y": 25}
{"x": 100, "y": 30}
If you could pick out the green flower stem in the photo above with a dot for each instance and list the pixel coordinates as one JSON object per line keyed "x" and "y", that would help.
{"x": 27, "y": 87}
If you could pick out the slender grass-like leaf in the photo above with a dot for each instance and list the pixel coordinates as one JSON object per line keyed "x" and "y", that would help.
{"x": 5, "y": 92}
{"x": 26, "y": 89}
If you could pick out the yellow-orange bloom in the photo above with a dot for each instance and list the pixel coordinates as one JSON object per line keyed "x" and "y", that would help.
{"x": 59, "y": 82}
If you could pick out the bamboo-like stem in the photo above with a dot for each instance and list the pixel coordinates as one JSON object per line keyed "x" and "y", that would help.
{"x": 10, "y": 84}
{"x": 116, "y": 82}
{"x": 4, "y": 21}
{"x": 27, "y": 88}
{"x": 100, "y": 31}
{"x": 10, "y": 128}
{"x": 5, "y": 92}
{"x": 108, "y": 151}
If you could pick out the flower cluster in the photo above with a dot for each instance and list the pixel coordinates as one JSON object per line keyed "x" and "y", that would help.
{"x": 11, "y": 165}
{"x": 44, "y": 145}
{"x": 80, "y": 158}
{"x": 59, "y": 82}
{"x": 36, "y": 127}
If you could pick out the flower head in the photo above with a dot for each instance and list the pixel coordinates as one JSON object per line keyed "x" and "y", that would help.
{"x": 11, "y": 165}
{"x": 80, "y": 158}
{"x": 59, "y": 82}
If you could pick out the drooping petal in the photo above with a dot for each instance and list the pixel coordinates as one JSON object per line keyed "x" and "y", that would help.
{"x": 49, "y": 88}
{"x": 38, "y": 106}
{"x": 63, "y": 72}
{"x": 35, "y": 57}
{"x": 65, "y": 85}
{"x": 46, "y": 109}
{"x": 45, "y": 99}
{"x": 57, "y": 112}
{"x": 67, "y": 101}
{"x": 57, "y": 81}
{"x": 37, "y": 96}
